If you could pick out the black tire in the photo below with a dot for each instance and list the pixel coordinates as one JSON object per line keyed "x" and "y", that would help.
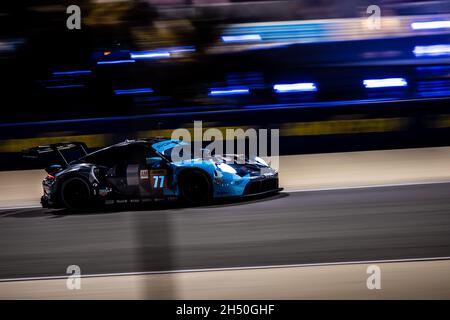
{"x": 195, "y": 187}
{"x": 76, "y": 194}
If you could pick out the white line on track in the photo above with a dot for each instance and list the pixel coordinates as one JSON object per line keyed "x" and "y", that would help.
{"x": 325, "y": 264}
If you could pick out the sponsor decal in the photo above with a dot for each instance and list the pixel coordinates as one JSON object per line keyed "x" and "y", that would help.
{"x": 144, "y": 174}
{"x": 158, "y": 179}
{"x": 104, "y": 192}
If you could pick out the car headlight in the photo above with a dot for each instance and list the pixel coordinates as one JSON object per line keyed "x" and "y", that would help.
{"x": 226, "y": 168}
{"x": 261, "y": 161}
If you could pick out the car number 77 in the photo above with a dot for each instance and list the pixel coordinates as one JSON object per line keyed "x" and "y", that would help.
{"x": 161, "y": 181}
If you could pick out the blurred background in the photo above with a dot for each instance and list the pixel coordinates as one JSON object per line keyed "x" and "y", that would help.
{"x": 333, "y": 76}
{"x": 145, "y": 67}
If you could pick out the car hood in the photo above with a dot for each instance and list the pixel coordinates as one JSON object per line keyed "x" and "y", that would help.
{"x": 253, "y": 166}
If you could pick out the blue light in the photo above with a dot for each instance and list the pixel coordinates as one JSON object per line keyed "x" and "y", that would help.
{"x": 74, "y": 72}
{"x": 160, "y": 53}
{"x": 435, "y": 50}
{"x": 66, "y": 86}
{"x": 433, "y": 71}
{"x": 433, "y": 88}
{"x": 211, "y": 112}
{"x": 428, "y": 25}
{"x": 385, "y": 83}
{"x": 242, "y": 38}
{"x": 295, "y": 87}
{"x": 228, "y": 91}
{"x": 115, "y": 61}
{"x": 182, "y": 49}
{"x": 133, "y": 91}
{"x": 149, "y": 55}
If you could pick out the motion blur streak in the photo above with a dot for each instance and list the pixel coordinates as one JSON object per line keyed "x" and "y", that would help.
{"x": 66, "y": 86}
{"x": 385, "y": 83}
{"x": 241, "y": 38}
{"x": 426, "y": 25}
{"x": 295, "y": 87}
{"x": 115, "y": 61}
{"x": 74, "y": 72}
{"x": 228, "y": 91}
{"x": 149, "y": 55}
{"x": 435, "y": 50}
{"x": 133, "y": 91}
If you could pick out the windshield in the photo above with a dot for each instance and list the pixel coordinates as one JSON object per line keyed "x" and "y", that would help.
{"x": 186, "y": 152}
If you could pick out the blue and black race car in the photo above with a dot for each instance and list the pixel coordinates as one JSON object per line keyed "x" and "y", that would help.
{"x": 143, "y": 171}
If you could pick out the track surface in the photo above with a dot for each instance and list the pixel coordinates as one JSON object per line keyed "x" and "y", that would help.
{"x": 301, "y": 227}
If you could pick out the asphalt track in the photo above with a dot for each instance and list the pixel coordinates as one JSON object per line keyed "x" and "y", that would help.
{"x": 398, "y": 222}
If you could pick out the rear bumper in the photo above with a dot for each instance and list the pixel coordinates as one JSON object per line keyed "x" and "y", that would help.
{"x": 48, "y": 198}
{"x": 44, "y": 202}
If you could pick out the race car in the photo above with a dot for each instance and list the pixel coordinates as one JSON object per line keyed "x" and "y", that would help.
{"x": 144, "y": 171}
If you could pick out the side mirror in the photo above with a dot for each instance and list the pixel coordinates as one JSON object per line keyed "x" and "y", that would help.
{"x": 53, "y": 169}
{"x": 153, "y": 160}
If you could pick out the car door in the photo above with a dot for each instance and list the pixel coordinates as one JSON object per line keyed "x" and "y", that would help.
{"x": 115, "y": 163}
{"x": 140, "y": 172}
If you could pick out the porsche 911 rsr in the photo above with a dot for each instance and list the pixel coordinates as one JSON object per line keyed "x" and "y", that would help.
{"x": 140, "y": 171}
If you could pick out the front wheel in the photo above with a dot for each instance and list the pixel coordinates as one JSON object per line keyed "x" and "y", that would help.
{"x": 195, "y": 188}
{"x": 76, "y": 194}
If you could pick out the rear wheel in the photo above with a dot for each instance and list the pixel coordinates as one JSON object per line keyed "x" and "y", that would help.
{"x": 195, "y": 187}
{"x": 76, "y": 194}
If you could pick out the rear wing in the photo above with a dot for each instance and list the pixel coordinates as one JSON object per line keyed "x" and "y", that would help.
{"x": 56, "y": 149}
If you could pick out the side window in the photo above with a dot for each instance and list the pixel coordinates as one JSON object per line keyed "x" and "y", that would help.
{"x": 132, "y": 154}
{"x": 138, "y": 153}
{"x": 107, "y": 157}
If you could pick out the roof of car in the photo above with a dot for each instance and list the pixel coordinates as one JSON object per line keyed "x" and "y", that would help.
{"x": 144, "y": 141}
{"x": 149, "y": 141}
